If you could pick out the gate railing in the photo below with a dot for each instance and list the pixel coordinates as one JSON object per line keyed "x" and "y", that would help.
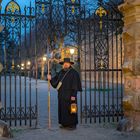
{"x": 101, "y": 65}
{"x": 18, "y": 79}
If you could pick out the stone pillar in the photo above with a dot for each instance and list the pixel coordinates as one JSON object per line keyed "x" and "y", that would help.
{"x": 131, "y": 66}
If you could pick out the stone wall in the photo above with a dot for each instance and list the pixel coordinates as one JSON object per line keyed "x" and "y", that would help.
{"x": 131, "y": 66}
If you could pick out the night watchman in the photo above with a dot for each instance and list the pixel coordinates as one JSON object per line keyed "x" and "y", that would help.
{"x": 67, "y": 82}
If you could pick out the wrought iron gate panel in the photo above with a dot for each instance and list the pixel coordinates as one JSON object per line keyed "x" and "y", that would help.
{"x": 18, "y": 94}
{"x": 101, "y": 65}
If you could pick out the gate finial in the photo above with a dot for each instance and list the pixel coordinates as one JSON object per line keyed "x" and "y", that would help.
{"x": 101, "y": 12}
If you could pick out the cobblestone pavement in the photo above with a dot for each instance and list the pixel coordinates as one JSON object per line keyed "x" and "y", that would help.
{"x": 83, "y": 132}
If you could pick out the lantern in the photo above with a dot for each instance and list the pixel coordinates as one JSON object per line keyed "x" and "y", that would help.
{"x": 73, "y": 108}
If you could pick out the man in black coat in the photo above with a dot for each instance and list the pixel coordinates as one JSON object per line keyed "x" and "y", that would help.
{"x": 67, "y": 82}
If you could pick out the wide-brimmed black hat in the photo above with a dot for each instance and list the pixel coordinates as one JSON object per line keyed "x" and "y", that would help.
{"x": 66, "y": 60}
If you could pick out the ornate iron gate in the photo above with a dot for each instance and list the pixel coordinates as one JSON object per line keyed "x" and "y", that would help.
{"x": 101, "y": 64}
{"x": 18, "y": 83}
{"x": 31, "y": 32}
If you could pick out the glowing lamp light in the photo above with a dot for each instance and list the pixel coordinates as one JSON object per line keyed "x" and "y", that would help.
{"x": 73, "y": 108}
{"x": 28, "y": 63}
{"x": 72, "y": 51}
{"x": 22, "y": 64}
{"x": 44, "y": 58}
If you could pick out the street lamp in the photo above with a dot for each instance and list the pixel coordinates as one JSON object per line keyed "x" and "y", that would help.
{"x": 28, "y": 63}
{"x": 44, "y": 58}
{"x": 22, "y": 64}
{"x": 72, "y": 50}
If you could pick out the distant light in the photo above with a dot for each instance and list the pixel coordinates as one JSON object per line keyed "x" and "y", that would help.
{"x": 72, "y": 51}
{"x": 22, "y": 68}
{"x": 22, "y": 64}
{"x": 28, "y": 63}
{"x": 44, "y": 58}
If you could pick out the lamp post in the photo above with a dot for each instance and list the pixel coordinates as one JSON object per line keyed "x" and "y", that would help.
{"x": 44, "y": 59}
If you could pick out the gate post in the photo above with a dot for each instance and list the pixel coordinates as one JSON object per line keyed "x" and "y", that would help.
{"x": 131, "y": 65}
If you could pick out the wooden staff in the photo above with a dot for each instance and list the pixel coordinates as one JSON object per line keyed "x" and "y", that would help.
{"x": 49, "y": 85}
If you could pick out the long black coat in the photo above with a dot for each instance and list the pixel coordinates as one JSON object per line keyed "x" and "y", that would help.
{"x": 70, "y": 85}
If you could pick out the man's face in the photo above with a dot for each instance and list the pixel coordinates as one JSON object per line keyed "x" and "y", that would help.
{"x": 66, "y": 65}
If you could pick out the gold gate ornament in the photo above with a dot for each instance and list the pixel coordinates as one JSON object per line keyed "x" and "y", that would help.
{"x": 101, "y": 12}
